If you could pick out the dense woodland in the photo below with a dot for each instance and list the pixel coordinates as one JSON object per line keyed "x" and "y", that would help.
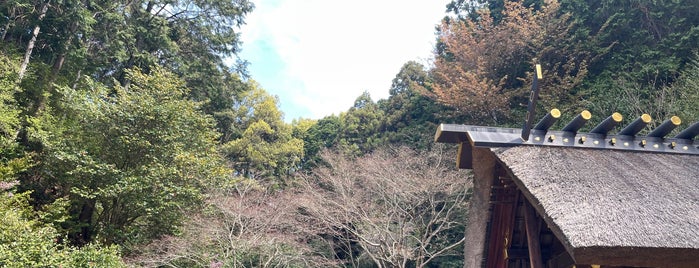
{"x": 126, "y": 139}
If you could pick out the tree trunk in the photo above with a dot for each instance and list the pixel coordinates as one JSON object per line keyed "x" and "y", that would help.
{"x": 4, "y": 31}
{"x": 58, "y": 65}
{"x": 30, "y": 46}
{"x": 77, "y": 79}
{"x": 10, "y": 20}
{"x": 61, "y": 57}
{"x": 84, "y": 235}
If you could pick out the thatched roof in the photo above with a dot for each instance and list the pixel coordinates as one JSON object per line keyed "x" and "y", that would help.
{"x": 639, "y": 209}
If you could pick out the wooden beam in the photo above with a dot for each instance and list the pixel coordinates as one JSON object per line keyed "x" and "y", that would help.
{"x": 478, "y": 212}
{"x": 464, "y": 158}
{"x": 496, "y": 240}
{"x": 501, "y": 222}
{"x": 531, "y": 223}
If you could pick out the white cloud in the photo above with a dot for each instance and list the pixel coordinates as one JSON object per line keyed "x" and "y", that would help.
{"x": 331, "y": 51}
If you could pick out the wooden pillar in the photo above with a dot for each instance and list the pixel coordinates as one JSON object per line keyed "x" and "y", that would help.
{"x": 502, "y": 220}
{"x": 478, "y": 214}
{"x": 531, "y": 223}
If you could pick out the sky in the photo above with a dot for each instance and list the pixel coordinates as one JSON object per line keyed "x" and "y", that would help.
{"x": 318, "y": 56}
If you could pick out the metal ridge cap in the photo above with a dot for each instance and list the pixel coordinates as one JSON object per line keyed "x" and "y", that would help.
{"x": 481, "y": 136}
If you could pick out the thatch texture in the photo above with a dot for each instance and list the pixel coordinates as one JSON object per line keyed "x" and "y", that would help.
{"x": 612, "y": 207}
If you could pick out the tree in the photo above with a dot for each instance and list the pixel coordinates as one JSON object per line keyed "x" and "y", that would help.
{"x": 262, "y": 146}
{"x": 640, "y": 47}
{"x": 32, "y": 41}
{"x": 28, "y": 237}
{"x": 323, "y": 134}
{"x": 142, "y": 33}
{"x": 11, "y": 156}
{"x": 688, "y": 87}
{"x": 638, "y": 32}
{"x": 360, "y": 126}
{"x": 26, "y": 241}
{"x": 243, "y": 226}
{"x": 484, "y": 66}
{"x": 474, "y": 76}
{"x": 665, "y": 101}
{"x": 410, "y": 116}
{"x": 101, "y": 39}
{"x": 402, "y": 208}
{"x": 131, "y": 160}
{"x": 469, "y": 9}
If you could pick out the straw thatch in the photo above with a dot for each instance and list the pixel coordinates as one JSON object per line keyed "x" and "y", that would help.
{"x": 612, "y": 207}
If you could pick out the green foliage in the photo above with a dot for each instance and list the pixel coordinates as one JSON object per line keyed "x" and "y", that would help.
{"x": 24, "y": 241}
{"x": 639, "y": 48}
{"x": 262, "y": 145}
{"x": 410, "y": 116}
{"x": 688, "y": 87}
{"x": 323, "y": 134}
{"x": 27, "y": 242}
{"x": 659, "y": 101}
{"x": 93, "y": 255}
{"x": 360, "y": 126}
{"x": 133, "y": 160}
{"x": 102, "y": 39}
{"x": 11, "y": 157}
{"x": 9, "y": 112}
{"x": 111, "y": 35}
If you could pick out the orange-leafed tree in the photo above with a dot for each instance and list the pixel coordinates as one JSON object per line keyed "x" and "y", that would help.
{"x": 483, "y": 68}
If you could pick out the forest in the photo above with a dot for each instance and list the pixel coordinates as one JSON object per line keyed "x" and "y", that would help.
{"x": 127, "y": 140}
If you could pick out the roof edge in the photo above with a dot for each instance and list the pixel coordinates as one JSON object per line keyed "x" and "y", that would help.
{"x": 480, "y": 136}
{"x": 637, "y": 256}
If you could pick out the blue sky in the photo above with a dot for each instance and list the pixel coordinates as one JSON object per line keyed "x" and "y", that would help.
{"x": 318, "y": 56}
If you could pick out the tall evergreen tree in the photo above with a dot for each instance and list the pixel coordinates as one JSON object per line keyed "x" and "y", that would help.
{"x": 101, "y": 39}
{"x": 360, "y": 126}
{"x": 636, "y": 43}
{"x": 410, "y": 116}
